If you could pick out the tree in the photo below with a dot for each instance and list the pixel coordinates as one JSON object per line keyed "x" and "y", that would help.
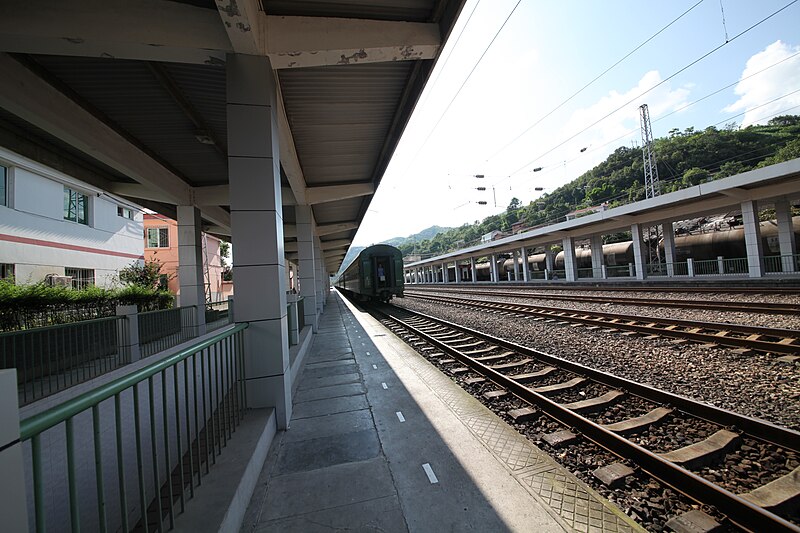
{"x": 695, "y": 176}
{"x": 514, "y": 205}
{"x": 147, "y": 274}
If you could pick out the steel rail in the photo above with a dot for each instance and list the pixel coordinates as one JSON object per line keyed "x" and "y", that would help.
{"x": 587, "y": 285}
{"x": 666, "y": 327}
{"x": 745, "y": 307}
{"x": 743, "y": 513}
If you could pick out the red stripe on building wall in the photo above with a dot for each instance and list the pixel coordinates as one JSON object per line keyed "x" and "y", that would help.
{"x": 50, "y": 244}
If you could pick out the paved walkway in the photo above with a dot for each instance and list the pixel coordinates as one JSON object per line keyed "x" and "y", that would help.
{"x": 380, "y": 440}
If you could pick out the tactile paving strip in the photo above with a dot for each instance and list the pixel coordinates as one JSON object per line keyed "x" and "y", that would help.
{"x": 567, "y": 497}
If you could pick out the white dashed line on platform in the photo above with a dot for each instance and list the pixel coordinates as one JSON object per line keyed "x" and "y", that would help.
{"x": 429, "y": 471}
{"x": 375, "y": 367}
{"x": 400, "y": 416}
{"x": 367, "y": 353}
{"x": 384, "y": 385}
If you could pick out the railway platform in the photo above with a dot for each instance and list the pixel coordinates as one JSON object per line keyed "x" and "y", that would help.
{"x": 380, "y": 440}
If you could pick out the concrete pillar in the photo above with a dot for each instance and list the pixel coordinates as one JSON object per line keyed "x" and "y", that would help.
{"x": 306, "y": 264}
{"x": 493, "y": 268}
{"x": 190, "y": 263}
{"x": 257, "y": 231}
{"x": 13, "y": 505}
{"x": 597, "y": 256}
{"x": 128, "y": 333}
{"x": 319, "y": 275}
{"x": 515, "y": 257}
{"x": 570, "y": 263}
{"x": 458, "y": 272}
{"x": 639, "y": 257}
{"x": 472, "y": 273}
{"x": 549, "y": 259}
{"x": 526, "y": 271}
{"x": 786, "y": 242}
{"x": 669, "y": 247}
{"x": 752, "y": 239}
{"x": 445, "y": 273}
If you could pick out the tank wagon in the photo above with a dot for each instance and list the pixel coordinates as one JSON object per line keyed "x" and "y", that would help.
{"x": 702, "y": 246}
{"x": 376, "y": 274}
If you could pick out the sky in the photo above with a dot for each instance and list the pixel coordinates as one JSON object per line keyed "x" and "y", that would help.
{"x": 538, "y": 96}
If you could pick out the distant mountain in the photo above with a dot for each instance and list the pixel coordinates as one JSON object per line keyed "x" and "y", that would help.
{"x": 426, "y": 234}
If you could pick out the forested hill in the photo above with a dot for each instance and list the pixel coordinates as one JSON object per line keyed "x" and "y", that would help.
{"x": 684, "y": 158}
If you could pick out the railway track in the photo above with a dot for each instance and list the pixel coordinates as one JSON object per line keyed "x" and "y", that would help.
{"x": 770, "y": 340}
{"x": 583, "y": 286}
{"x": 547, "y": 385}
{"x": 714, "y": 305}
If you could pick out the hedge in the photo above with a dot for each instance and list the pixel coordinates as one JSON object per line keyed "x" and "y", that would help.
{"x": 29, "y": 306}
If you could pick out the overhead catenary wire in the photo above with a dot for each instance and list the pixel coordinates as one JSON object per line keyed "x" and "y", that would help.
{"x": 474, "y": 67}
{"x": 589, "y": 84}
{"x": 679, "y": 71}
{"x": 684, "y": 107}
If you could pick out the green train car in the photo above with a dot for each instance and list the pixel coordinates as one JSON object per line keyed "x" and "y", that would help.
{"x": 376, "y": 274}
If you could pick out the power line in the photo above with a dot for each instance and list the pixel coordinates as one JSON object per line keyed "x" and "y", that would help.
{"x": 715, "y": 49}
{"x": 475, "y": 66}
{"x": 709, "y": 95}
{"x": 452, "y": 51}
{"x": 606, "y": 71}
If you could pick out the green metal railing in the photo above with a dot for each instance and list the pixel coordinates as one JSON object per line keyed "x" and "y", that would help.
{"x": 54, "y": 358}
{"x": 165, "y": 423}
{"x": 218, "y": 314}
{"x": 161, "y": 330}
{"x": 620, "y": 271}
{"x": 782, "y": 264}
{"x": 721, "y": 267}
{"x": 668, "y": 269}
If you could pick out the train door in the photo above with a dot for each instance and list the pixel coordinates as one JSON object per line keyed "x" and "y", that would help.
{"x": 383, "y": 272}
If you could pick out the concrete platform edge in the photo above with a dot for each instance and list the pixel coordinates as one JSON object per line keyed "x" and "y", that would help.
{"x": 221, "y": 501}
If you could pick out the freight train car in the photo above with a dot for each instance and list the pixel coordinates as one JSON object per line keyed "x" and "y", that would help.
{"x": 376, "y": 274}
{"x": 702, "y": 246}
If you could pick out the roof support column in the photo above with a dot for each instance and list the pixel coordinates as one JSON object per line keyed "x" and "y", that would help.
{"x": 526, "y": 271}
{"x": 639, "y": 258}
{"x": 472, "y": 274}
{"x": 257, "y": 232}
{"x": 306, "y": 261}
{"x": 445, "y": 273}
{"x": 319, "y": 274}
{"x": 788, "y": 248}
{"x": 752, "y": 239}
{"x": 669, "y": 247}
{"x": 190, "y": 263}
{"x": 493, "y": 261}
{"x": 458, "y": 272}
{"x": 597, "y": 256}
{"x": 515, "y": 255}
{"x": 570, "y": 263}
{"x": 549, "y": 261}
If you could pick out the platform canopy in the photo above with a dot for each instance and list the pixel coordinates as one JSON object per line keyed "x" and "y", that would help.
{"x": 131, "y": 96}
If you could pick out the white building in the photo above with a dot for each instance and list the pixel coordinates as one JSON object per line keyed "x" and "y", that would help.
{"x": 53, "y": 224}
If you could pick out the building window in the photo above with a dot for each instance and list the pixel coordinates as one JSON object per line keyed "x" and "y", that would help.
{"x": 157, "y": 237}
{"x": 76, "y": 206}
{"x": 6, "y": 271}
{"x": 81, "y": 277}
{"x": 3, "y": 185}
{"x": 124, "y": 212}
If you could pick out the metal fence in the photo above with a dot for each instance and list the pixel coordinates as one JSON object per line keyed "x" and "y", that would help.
{"x": 782, "y": 264}
{"x": 127, "y": 454}
{"x": 161, "y": 330}
{"x": 720, "y": 267}
{"x": 218, "y": 314}
{"x": 668, "y": 269}
{"x": 54, "y": 358}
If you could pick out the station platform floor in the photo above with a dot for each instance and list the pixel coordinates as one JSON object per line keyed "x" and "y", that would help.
{"x": 381, "y": 440}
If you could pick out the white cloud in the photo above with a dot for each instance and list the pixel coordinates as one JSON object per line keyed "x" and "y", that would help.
{"x": 660, "y": 100}
{"x": 768, "y": 85}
